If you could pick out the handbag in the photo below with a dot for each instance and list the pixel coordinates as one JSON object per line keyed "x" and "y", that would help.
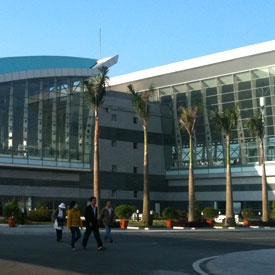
{"x": 60, "y": 222}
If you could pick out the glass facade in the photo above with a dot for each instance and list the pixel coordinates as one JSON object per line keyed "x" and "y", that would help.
{"x": 252, "y": 90}
{"x": 45, "y": 122}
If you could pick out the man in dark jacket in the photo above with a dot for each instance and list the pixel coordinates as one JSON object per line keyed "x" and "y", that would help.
{"x": 91, "y": 213}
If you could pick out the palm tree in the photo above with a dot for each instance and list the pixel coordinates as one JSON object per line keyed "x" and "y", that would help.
{"x": 226, "y": 122}
{"x": 255, "y": 125}
{"x": 188, "y": 118}
{"x": 95, "y": 92}
{"x": 140, "y": 102}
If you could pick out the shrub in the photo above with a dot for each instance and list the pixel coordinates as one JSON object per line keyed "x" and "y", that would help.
{"x": 124, "y": 211}
{"x": 182, "y": 214}
{"x": 247, "y": 213}
{"x": 170, "y": 213}
{"x": 11, "y": 209}
{"x": 41, "y": 214}
{"x": 210, "y": 213}
{"x": 156, "y": 216}
{"x": 272, "y": 212}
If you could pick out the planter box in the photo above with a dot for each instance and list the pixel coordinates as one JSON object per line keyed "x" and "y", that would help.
{"x": 169, "y": 224}
{"x": 11, "y": 222}
{"x": 124, "y": 224}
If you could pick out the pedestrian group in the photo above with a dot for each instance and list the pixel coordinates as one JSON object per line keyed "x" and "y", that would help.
{"x": 74, "y": 223}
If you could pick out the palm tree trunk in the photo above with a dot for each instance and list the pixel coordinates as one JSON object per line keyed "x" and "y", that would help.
{"x": 96, "y": 161}
{"x": 146, "y": 187}
{"x": 265, "y": 215}
{"x": 229, "y": 215}
{"x": 191, "y": 192}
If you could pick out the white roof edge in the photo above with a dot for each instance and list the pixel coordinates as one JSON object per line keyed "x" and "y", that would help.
{"x": 195, "y": 62}
{"x": 108, "y": 61}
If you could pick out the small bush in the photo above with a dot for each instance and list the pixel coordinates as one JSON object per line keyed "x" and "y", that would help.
{"x": 124, "y": 211}
{"x": 11, "y": 209}
{"x": 272, "y": 212}
{"x": 182, "y": 214}
{"x": 41, "y": 214}
{"x": 156, "y": 216}
{"x": 170, "y": 213}
{"x": 210, "y": 213}
{"x": 247, "y": 213}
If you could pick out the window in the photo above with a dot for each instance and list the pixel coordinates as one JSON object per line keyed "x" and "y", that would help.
{"x": 135, "y": 145}
{"x": 135, "y": 169}
{"x": 135, "y": 120}
{"x": 114, "y": 117}
{"x": 114, "y": 143}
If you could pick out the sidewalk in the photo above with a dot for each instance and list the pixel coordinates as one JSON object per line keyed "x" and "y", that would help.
{"x": 253, "y": 262}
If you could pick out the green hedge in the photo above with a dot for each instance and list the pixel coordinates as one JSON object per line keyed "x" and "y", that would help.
{"x": 170, "y": 213}
{"x": 247, "y": 213}
{"x": 41, "y": 214}
{"x": 210, "y": 213}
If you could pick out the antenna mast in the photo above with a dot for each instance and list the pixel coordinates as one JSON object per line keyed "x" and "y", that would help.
{"x": 100, "y": 43}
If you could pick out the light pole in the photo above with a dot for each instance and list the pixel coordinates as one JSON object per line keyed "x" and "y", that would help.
{"x": 137, "y": 215}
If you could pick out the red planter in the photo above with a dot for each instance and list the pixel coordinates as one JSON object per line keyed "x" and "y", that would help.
{"x": 11, "y": 222}
{"x": 169, "y": 224}
{"x": 210, "y": 222}
{"x": 124, "y": 224}
{"x": 246, "y": 223}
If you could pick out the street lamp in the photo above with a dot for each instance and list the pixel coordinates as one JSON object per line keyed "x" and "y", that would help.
{"x": 137, "y": 215}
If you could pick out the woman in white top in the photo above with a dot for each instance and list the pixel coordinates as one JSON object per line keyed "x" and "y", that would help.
{"x": 59, "y": 220}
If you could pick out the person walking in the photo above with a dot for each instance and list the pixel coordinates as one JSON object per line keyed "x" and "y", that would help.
{"x": 73, "y": 223}
{"x": 107, "y": 216}
{"x": 59, "y": 220}
{"x": 91, "y": 213}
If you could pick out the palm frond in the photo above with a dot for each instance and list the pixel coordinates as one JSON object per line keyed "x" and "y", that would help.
{"x": 140, "y": 101}
{"x": 227, "y": 120}
{"x": 255, "y": 125}
{"x": 188, "y": 118}
{"x": 95, "y": 88}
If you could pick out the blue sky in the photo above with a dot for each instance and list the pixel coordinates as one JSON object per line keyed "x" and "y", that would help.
{"x": 144, "y": 33}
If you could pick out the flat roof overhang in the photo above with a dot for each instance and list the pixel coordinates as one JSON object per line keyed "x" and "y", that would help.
{"x": 237, "y": 60}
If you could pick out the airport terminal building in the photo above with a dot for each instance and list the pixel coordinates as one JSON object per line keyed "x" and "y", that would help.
{"x": 46, "y": 130}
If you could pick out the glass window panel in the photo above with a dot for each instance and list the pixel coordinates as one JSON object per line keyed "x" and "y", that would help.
{"x": 182, "y": 100}
{"x": 180, "y": 88}
{"x": 17, "y": 118}
{"x": 194, "y": 85}
{"x": 245, "y": 76}
{"x": 208, "y": 83}
{"x": 165, "y": 91}
{"x": 4, "y": 117}
{"x": 225, "y": 80}
{"x": 227, "y": 96}
{"x": 260, "y": 73}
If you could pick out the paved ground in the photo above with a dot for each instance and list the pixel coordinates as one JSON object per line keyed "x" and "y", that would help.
{"x": 33, "y": 250}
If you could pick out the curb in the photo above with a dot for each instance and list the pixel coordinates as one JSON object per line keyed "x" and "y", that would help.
{"x": 197, "y": 265}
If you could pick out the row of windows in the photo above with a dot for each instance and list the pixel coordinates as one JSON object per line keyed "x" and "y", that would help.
{"x": 115, "y": 169}
{"x": 114, "y": 118}
{"x": 114, "y": 194}
{"x": 114, "y": 144}
{"x": 247, "y": 90}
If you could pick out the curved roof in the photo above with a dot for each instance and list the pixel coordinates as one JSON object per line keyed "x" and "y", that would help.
{"x": 27, "y": 67}
{"x": 26, "y": 63}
